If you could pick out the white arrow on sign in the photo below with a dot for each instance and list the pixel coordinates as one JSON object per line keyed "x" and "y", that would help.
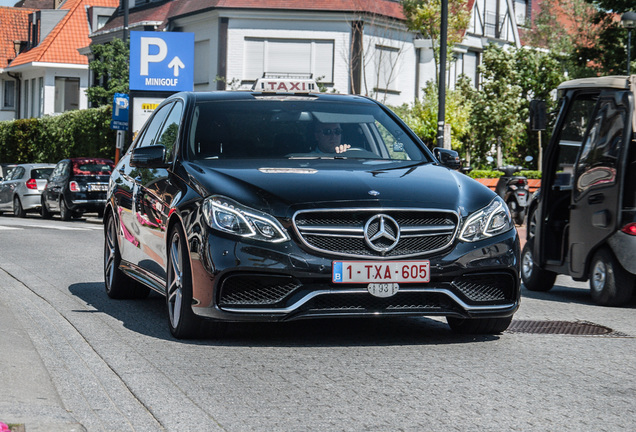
{"x": 176, "y": 64}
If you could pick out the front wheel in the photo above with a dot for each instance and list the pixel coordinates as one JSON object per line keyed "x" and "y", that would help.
{"x": 534, "y": 278}
{"x": 485, "y": 326}
{"x": 610, "y": 283}
{"x": 183, "y": 322}
{"x": 44, "y": 210}
{"x": 18, "y": 210}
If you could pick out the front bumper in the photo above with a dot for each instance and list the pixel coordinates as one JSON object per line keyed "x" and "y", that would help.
{"x": 237, "y": 281}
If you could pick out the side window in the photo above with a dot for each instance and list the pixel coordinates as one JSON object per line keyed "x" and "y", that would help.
{"x": 150, "y": 134}
{"x": 169, "y": 132}
{"x": 17, "y": 173}
{"x": 571, "y": 137}
{"x": 599, "y": 154}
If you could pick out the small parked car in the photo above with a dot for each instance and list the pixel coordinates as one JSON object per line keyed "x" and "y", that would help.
{"x": 77, "y": 186}
{"x": 5, "y": 169}
{"x": 21, "y": 190}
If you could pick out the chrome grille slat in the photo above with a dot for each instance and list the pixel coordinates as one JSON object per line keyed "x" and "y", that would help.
{"x": 340, "y": 232}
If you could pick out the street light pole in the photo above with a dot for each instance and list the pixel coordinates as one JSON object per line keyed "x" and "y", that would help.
{"x": 441, "y": 109}
{"x": 628, "y": 21}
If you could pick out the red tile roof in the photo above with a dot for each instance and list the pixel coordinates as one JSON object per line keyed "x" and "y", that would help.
{"x": 71, "y": 33}
{"x": 14, "y": 26}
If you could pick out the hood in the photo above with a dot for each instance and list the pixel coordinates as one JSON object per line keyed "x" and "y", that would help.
{"x": 280, "y": 187}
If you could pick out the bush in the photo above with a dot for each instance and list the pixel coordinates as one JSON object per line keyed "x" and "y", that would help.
{"x": 52, "y": 138}
{"x": 497, "y": 174}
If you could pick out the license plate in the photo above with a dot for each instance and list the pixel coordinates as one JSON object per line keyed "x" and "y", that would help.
{"x": 381, "y": 271}
{"x": 97, "y": 187}
{"x": 383, "y": 290}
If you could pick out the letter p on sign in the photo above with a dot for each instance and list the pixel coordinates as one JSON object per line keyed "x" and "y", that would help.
{"x": 146, "y": 57}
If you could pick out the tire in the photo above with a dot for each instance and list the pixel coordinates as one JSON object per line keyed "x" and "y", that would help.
{"x": 117, "y": 284}
{"x": 65, "y": 212}
{"x": 532, "y": 224}
{"x": 485, "y": 326}
{"x": 184, "y": 324}
{"x": 534, "y": 278}
{"x": 515, "y": 211}
{"x": 18, "y": 210}
{"x": 44, "y": 210}
{"x": 610, "y": 283}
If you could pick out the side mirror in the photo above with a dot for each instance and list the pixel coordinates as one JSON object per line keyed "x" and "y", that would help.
{"x": 153, "y": 156}
{"x": 448, "y": 158}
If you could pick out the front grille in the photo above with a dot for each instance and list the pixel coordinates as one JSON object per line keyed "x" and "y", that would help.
{"x": 347, "y": 232}
{"x": 486, "y": 287}
{"x": 256, "y": 290}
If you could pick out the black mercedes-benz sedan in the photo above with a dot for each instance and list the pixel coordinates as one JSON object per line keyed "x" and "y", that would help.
{"x": 270, "y": 206}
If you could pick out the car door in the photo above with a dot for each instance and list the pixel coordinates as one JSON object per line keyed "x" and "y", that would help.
{"x": 594, "y": 209}
{"x": 154, "y": 195}
{"x": 127, "y": 196}
{"x": 55, "y": 185}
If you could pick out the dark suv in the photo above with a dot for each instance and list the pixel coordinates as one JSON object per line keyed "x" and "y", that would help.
{"x": 269, "y": 206}
{"x": 583, "y": 222}
{"x": 76, "y": 186}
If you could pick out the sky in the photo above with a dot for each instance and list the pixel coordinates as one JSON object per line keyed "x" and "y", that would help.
{"x": 8, "y": 2}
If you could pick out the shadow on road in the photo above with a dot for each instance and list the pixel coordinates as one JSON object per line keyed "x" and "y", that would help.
{"x": 149, "y": 317}
{"x": 566, "y": 294}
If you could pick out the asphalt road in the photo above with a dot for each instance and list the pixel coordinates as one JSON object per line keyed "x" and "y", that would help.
{"x": 71, "y": 360}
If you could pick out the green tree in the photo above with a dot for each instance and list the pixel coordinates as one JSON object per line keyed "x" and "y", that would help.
{"x": 539, "y": 73}
{"x": 495, "y": 118}
{"x": 421, "y": 116}
{"x": 424, "y": 17}
{"x": 110, "y": 66}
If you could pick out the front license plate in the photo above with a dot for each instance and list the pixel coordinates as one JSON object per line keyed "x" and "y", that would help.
{"x": 383, "y": 289}
{"x": 381, "y": 271}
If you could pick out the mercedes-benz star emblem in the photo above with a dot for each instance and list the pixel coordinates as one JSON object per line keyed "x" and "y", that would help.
{"x": 374, "y": 193}
{"x": 382, "y": 233}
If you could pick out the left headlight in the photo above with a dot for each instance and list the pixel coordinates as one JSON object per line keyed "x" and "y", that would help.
{"x": 490, "y": 221}
{"x": 228, "y": 216}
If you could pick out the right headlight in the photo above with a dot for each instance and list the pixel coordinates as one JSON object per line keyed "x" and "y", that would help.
{"x": 489, "y": 221}
{"x": 224, "y": 214}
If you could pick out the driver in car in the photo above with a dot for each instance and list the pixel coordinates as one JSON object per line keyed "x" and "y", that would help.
{"x": 328, "y": 136}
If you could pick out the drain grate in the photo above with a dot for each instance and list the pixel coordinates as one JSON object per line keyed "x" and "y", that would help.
{"x": 579, "y": 328}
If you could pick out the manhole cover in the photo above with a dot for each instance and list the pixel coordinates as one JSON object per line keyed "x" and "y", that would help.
{"x": 580, "y": 328}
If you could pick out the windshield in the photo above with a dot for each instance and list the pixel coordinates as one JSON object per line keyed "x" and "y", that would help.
{"x": 279, "y": 129}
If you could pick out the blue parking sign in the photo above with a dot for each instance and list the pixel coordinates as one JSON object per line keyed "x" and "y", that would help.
{"x": 161, "y": 61}
{"x": 120, "y": 112}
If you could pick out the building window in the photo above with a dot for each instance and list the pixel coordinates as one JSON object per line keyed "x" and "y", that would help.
{"x": 66, "y": 94}
{"x": 8, "y": 94}
{"x": 202, "y": 62}
{"x": 26, "y": 99}
{"x": 288, "y": 56}
{"x": 386, "y": 68}
{"x": 34, "y": 103}
{"x": 41, "y": 98}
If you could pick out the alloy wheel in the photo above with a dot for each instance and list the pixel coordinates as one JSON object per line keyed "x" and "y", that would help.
{"x": 175, "y": 280}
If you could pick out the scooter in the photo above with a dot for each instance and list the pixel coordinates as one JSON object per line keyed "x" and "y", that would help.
{"x": 514, "y": 191}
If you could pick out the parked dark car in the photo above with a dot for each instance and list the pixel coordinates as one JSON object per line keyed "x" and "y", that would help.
{"x": 21, "y": 190}
{"x": 583, "y": 222}
{"x": 76, "y": 186}
{"x": 229, "y": 204}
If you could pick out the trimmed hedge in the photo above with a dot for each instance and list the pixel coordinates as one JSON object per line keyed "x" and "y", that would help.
{"x": 52, "y": 138}
{"x": 496, "y": 174}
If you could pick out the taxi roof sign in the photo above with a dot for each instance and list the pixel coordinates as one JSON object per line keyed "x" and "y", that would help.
{"x": 285, "y": 84}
